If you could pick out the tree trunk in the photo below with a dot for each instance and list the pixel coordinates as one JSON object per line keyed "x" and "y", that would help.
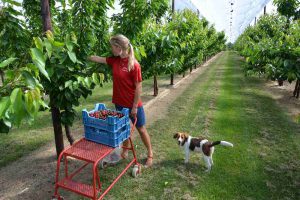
{"x": 155, "y": 86}
{"x": 46, "y": 17}
{"x": 69, "y": 134}
{"x": 58, "y": 133}
{"x": 280, "y": 82}
{"x": 297, "y": 89}
{"x": 183, "y": 74}
{"x": 195, "y": 66}
{"x": 56, "y": 120}
{"x": 191, "y": 69}
{"x": 172, "y": 79}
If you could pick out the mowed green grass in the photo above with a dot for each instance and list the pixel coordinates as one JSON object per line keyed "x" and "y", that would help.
{"x": 221, "y": 104}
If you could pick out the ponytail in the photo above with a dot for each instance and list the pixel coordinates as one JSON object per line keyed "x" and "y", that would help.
{"x": 131, "y": 58}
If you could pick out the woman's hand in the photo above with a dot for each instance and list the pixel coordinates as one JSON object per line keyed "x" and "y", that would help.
{"x": 133, "y": 111}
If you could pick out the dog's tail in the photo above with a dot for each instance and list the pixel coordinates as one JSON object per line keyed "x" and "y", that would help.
{"x": 223, "y": 143}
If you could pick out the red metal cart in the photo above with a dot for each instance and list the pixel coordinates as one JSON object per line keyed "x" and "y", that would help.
{"x": 91, "y": 153}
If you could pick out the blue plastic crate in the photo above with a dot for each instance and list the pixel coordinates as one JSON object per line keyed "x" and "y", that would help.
{"x": 105, "y": 137}
{"x": 111, "y": 123}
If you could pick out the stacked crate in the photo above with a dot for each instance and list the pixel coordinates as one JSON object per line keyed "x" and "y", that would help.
{"x": 111, "y": 131}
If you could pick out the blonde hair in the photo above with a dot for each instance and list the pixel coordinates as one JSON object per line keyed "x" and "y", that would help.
{"x": 124, "y": 43}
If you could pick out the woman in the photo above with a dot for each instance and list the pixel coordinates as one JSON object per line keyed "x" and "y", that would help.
{"x": 127, "y": 87}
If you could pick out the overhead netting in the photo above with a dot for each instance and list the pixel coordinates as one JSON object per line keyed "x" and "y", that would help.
{"x": 232, "y": 16}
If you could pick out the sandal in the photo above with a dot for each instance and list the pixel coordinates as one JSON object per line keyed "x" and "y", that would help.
{"x": 148, "y": 162}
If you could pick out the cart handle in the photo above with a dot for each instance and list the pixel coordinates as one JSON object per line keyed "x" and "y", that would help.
{"x": 134, "y": 123}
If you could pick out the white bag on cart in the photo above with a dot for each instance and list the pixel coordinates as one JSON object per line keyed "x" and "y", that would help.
{"x": 113, "y": 158}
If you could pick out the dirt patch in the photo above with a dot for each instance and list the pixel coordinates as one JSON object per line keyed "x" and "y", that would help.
{"x": 284, "y": 97}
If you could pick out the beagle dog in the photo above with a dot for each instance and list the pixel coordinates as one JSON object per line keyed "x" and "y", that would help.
{"x": 201, "y": 145}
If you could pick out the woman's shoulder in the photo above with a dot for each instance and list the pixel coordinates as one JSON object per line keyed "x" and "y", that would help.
{"x": 136, "y": 63}
{"x": 112, "y": 59}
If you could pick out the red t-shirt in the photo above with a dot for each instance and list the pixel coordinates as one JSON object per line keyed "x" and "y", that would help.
{"x": 124, "y": 81}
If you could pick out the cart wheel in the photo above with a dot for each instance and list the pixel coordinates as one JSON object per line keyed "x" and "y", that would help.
{"x": 103, "y": 164}
{"x": 57, "y": 198}
{"x": 136, "y": 170}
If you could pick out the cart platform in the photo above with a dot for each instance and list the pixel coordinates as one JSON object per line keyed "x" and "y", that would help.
{"x": 91, "y": 153}
{"x": 88, "y": 151}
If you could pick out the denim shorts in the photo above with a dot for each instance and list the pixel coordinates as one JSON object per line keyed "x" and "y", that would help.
{"x": 141, "y": 119}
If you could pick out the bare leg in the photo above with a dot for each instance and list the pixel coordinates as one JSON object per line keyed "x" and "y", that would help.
{"x": 124, "y": 153}
{"x": 207, "y": 162}
{"x": 126, "y": 143}
{"x": 187, "y": 156}
{"x": 147, "y": 142}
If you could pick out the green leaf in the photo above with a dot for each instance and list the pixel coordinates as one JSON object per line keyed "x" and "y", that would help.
{"x": 183, "y": 45}
{"x": 31, "y": 67}
{"x": 39, "y": 61}
{"x": 68, "y": 83}
{"x": 95, "y": 78}
{"x": 80, "y": 79}
{"x": 43, "y": 104}
{"x": 79, "y": 62}
{"x": 87, "y": 81}
{"x": 58, "y": 44}
{"x": 69, "y": 45}
{"x": 4, "y": 104}
{"x": 28, "y": 102}
{"x": 62, "y": 58}
{"x": 72, "y": 56}
{"x": 142, "y": 51}
{"x": 101, "y": 75}
{"x": 7, "y": 123}
{"x": 48, "y": 45}
{"x": 17, "y": 105}
{"x": 14, "y": 95}
{"x": 291, "y": 77}
{"x": 50, "y": 71}
{"x": 49, "y": 36}
{"x": 153, "y": 49}
{"x": 29, "y": 79}
{"x": 38, "y": 43}
{"x": 7, "y": 62}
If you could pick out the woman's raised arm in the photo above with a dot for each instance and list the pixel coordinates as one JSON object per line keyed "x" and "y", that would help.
{"x": 97, "y": 59}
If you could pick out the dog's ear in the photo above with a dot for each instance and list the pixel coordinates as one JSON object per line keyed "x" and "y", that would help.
{"x": 186, "y": 136}
{"x": 175, "y": 135}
